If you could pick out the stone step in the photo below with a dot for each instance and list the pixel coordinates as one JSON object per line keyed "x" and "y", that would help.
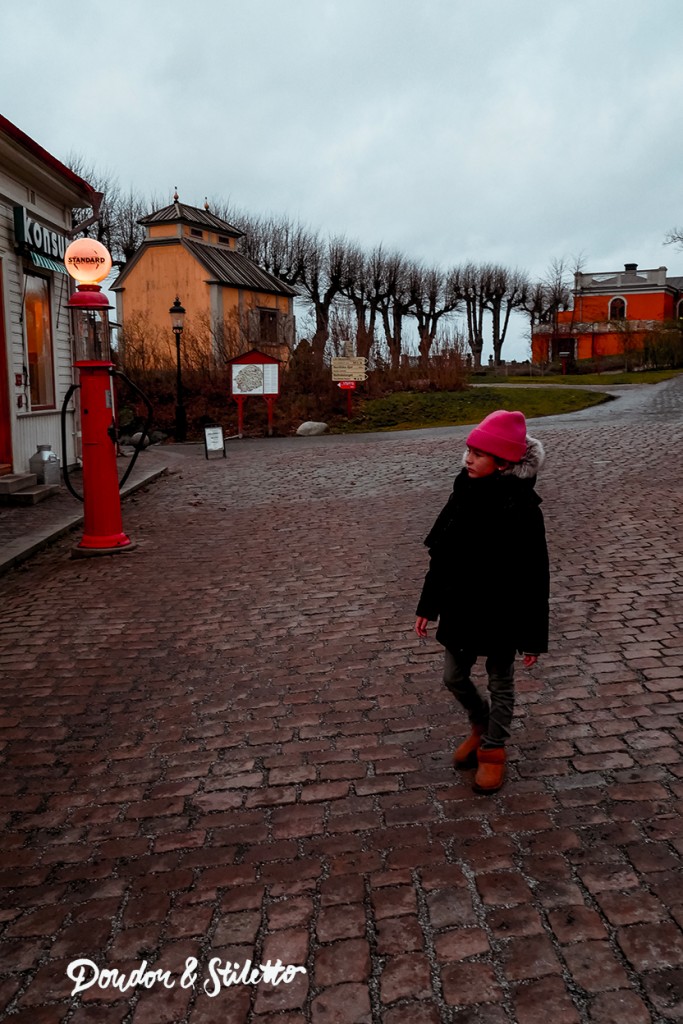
{"x": 32, "y": 495}
{"x": 11, "y": 482}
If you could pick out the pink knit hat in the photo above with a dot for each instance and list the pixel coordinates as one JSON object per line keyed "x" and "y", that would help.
{"x": 502, "y": 434}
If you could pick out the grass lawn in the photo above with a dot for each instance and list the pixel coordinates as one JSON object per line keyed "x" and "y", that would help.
{"x": 409, "y": 410}
{"x": 577, "y": 379}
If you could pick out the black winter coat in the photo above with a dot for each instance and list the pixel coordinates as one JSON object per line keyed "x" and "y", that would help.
{"x": 488, "y": 580}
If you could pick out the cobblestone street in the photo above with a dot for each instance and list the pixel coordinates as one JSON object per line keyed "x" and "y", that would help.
{"x": 230, "y": 744}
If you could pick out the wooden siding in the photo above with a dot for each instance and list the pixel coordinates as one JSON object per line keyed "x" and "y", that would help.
{"x": 31, "y": 429}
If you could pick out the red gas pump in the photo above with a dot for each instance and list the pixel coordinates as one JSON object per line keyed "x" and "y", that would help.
{"x": 89, "y": 262}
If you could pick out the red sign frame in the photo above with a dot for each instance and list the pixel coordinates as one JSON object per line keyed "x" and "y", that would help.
{"x": 255, "y": 358}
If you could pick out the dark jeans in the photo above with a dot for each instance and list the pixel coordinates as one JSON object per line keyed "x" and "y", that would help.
{"x": 496, "y": 716}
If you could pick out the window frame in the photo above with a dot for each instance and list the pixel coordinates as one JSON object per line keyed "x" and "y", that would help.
{"x": 269, "y": 317}
{"x": 617, "y": 298}
{"x": 46, "y": 405}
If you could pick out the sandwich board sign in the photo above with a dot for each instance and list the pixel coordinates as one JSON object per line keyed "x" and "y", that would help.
{"x": 214, "y": 440}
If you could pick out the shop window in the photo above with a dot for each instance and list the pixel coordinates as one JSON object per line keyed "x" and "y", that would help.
{"x": 268, "y": 327}
{"x": 39, "y": 347}
{"x": 617, "y": 309}
{"x": 680, "y": 309}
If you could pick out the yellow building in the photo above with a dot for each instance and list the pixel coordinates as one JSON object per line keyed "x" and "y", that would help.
{"x": 232, "y": 304}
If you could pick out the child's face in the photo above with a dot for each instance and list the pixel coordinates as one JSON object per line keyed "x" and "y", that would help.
{"x": 479, "y": 464}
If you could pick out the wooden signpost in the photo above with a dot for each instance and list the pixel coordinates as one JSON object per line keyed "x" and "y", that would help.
{"x": 349, "y": 368}
{"x": 346, "y": 371}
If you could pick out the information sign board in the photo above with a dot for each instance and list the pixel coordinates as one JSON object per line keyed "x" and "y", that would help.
{"x": 255, "y": 378}
{"x": 355, "y": 368}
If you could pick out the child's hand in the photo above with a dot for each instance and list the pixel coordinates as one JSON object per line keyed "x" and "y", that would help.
{"x": 530, "y": 660}
{"x": 421, "y": 626}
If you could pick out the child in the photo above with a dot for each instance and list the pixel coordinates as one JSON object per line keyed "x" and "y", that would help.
{"x": 488, "y": 583}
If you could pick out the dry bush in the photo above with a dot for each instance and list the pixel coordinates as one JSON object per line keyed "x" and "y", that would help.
{"x": 446, "y": 369}
{"x": 307, "y": 391}
{"x": 663, "y": 345}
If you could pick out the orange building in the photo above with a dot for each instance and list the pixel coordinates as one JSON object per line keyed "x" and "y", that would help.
{"x": 612, "y": 313}
{"x": 232, "y": 304}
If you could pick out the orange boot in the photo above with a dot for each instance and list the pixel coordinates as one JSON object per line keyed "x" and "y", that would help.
{"x": 491, "y": 771}
{"x": 466, "y": 754}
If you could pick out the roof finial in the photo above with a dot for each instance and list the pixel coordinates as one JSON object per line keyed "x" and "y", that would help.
{"x": 206, "y": 203}
{"x": 176, "y": 197}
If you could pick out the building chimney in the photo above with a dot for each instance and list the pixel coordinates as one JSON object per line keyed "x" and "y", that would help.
{"x": 630, "y": 268}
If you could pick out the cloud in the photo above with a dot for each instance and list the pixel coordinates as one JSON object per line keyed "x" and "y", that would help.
{"x": 447, "y": 129}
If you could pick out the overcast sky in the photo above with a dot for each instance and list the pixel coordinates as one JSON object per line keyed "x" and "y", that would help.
{"x": 452, "y": 130}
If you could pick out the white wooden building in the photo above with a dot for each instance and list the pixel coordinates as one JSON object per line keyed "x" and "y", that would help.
{"x": 37, "y": 195}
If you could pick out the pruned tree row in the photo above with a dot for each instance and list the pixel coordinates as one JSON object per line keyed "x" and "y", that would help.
{"x": 370, "y": 294}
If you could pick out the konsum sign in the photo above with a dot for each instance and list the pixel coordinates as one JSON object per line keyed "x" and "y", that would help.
{"x": 31, "y": 234}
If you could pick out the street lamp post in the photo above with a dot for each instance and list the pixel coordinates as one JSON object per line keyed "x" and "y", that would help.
{"x": 177, "y": 320}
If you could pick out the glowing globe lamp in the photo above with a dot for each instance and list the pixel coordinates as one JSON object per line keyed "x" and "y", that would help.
{"x": 88, "y": 262}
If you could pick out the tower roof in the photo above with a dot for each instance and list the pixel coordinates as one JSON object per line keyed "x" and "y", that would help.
{"x": 227, "y": 267}
{"x": 179, "y": 212}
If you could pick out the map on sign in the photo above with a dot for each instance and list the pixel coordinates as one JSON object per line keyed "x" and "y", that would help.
{"x": 254, "y": 379}
{"x": 353, "y": 368}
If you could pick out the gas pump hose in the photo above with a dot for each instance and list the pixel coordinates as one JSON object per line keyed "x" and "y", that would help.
{"x": 138, "y": 447}
{"x": 145, "y": 430}
{"x": 62, "y": 424}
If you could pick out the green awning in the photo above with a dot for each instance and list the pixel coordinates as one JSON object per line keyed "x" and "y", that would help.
{"x": 47, "y": 263}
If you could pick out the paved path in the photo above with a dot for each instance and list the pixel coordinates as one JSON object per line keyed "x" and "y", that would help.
{"x": 229, "y": 744}
{"x": 25, "y": 529}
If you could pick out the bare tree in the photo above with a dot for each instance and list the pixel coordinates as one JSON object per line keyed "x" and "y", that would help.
{"x": 321, "y": 281}
{"x": 105, "y": 182}
{"x": 287, "y": 245}
{"x": 365, "y": 284}
{"x": 228, "y": 335}
{"x": 278, "y": 244}
{"x": 342, "y": 328}
{"x": 504, "y": 291}
{"x": 129, "y": 234}
{"x": 550, "y": 295}
{"x": 674, "y": 237}
{"x": 553, "y": 294}
{"x": 433, "y": 295}
{"x": 117, "y": 226}
{"x": 470, "y": 283}
{"x": 395, "y": 305}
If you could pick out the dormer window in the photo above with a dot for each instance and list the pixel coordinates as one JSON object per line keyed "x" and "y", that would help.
{"x": 196, "y": 233}
{"x": 224, "y": 239}
{"x": 617, "y": 309}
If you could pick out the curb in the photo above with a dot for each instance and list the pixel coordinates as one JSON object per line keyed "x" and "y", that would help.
{"x": 15, "y": 552}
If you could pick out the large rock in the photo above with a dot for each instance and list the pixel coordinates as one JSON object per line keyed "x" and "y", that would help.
{"x": 310, "y": 428}
{"x": 135, "y": 439}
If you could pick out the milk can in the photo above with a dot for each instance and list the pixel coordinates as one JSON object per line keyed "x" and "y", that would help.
{"x": 45, "y": 465}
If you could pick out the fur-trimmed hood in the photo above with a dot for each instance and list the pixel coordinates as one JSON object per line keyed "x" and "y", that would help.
{"x": 530, "y": 465}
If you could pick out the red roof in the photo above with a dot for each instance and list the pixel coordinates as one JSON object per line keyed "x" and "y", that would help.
{"x": 42, "y": 154}
{"x": 253, "y": 356}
